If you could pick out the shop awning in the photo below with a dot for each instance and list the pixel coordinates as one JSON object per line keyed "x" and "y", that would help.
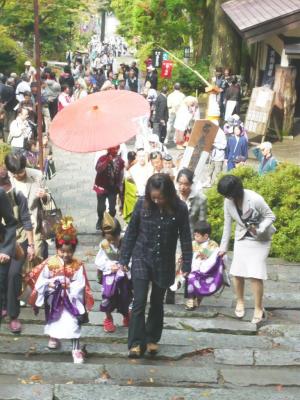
{"x": 256, "y": 19}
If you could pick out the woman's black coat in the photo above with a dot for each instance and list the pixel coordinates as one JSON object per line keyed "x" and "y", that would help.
{"x": 151, "y": 241}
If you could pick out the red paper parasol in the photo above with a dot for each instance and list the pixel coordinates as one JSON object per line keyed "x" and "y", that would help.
{"x": 99, "y": 121}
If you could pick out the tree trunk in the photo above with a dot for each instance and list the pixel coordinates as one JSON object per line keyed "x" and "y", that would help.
{"x": 226, "y": 42}
{"x": 285, "y": 99}
{"x": 208, "y": 30}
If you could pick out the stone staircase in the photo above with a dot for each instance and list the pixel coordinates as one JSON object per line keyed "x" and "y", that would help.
{"x": 203, "y": 354}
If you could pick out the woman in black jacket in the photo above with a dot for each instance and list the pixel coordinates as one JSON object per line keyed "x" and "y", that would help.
{"x": 150, "y": 241}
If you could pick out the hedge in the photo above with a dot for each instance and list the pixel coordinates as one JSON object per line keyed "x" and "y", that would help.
{"x": 281, "y": 190}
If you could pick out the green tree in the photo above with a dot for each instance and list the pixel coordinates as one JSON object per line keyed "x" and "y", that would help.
{"x": 56, "y": 20}
{"x": 169, "y": 23}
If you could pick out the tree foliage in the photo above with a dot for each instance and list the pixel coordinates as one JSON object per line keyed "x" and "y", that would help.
{"x": 59, "y": 24}
{"x": 169, "y": 23}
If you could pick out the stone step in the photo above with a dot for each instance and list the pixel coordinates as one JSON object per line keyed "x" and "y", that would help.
{"x": 276, "y": 330}
{"x": 276, "y": 357}
{"x": 200, "y": 340}
{"x": 36, "y": 349}
{"x": 98, "y": 391}
{"x": 218, "y": 324}
{"x": 262, "y": 376}
{"x": 48, "y": 372}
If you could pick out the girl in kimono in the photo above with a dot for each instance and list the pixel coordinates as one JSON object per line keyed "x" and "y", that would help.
{"x": 60, "y": 285}
{"x": 115, "y": 281}
{"x": 203, "y": 248}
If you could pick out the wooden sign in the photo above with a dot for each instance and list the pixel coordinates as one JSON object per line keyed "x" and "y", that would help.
{"x": 259, "y": 110}
{"x": 200, "y": 144}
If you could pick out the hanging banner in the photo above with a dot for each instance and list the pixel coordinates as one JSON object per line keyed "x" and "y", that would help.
{"x": 166, "y": 69}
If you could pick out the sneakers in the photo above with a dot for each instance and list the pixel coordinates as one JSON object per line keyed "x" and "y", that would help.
{"x": 15, "y": 326}
{"x": 108, "y": 325}
{"x": 126, "y": 320}
{"x": 53, "y": 343}
{"x": 78, "y": 357}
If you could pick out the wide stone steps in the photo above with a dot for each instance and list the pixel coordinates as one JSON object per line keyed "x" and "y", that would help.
{"x": 206, "y": 353}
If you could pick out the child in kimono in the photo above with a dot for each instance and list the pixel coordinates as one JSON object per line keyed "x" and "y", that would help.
{"x": 203, "y": 248}
{"x": 60, "y": 285}
{"x": 115, "y": 281}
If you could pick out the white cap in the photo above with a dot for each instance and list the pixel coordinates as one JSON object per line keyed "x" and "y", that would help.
{"x": 27, "y": 63}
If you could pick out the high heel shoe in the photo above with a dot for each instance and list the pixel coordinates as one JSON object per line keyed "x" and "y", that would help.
{"x": 240, "y": 310}
{"x": 257, "y": 320}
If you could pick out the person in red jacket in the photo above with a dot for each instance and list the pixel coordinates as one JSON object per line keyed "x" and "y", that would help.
{"x": 108, "y": 182}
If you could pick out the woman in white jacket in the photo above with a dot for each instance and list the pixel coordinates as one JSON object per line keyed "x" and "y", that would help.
{"x": 19, "y": 131}
{"x": 252, "y": 241}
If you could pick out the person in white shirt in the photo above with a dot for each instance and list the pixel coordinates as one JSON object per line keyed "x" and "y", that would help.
{"x": 64, "y": 98}
{"x": 19, "y": 131}
{"x": 80, "y": 90}
{"x": 23, "y": 87}
{"x": 217, "y": 157}
{"x": 30, "y": 71}
{"x": 174, "y": 100}
{"x": 188, "y": 111}
{"x": 140, "y": 172}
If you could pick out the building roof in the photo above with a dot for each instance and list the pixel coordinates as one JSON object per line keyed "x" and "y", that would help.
{"x": 258, "y": 18}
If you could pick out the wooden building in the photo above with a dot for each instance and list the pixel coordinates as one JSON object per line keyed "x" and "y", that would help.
{"x": 271, "y": 28}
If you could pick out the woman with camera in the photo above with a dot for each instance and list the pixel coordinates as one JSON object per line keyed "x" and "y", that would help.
{"x": 20, "y": 132}
{"x": 252, "y": 240}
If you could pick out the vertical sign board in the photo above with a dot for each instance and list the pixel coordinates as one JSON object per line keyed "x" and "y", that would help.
{"x": 200, "y": 144}
{"x": 187, "y": 52}
{"x": 157, "y": 58}
{"x": 259, "y": 111}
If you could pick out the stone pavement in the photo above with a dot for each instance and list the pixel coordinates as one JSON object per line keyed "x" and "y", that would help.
{"x": 203, "y": 354}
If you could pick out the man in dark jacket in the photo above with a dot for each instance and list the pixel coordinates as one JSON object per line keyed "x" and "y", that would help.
{"x": 152, "y": 77}
{"x": 132, "y": 81}
{"x": 161, "y": 115}
{"x": 108, "y": 182}
{"x": 8, "y": 225}
{"x": 66, "y": 78}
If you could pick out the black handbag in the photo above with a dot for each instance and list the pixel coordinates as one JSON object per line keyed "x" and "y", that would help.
{"x": 50, "y": 217}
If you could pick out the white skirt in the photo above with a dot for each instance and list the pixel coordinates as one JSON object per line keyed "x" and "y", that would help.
{"x": 249, "y": 258}
{"x": 66, "y": 327}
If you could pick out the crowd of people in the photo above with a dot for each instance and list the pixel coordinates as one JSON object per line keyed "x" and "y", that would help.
{"x": 160, "y": 202}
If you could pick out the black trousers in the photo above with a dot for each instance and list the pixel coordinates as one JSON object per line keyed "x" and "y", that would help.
{"x": 141, "y": 332}
{"x": 162, "y": 132}
{"x": 3, "y": 279}
{"x": 53, "y": 108}
{"x": 13, "y": 285}
{"x": 101, "y": 206}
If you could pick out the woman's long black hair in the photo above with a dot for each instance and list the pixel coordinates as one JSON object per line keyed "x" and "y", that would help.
{"x": 165, "y": 185}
